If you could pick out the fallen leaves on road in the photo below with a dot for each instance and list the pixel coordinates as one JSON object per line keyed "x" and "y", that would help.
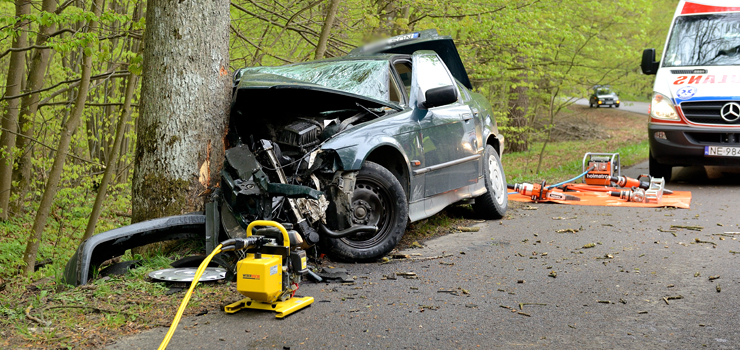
{"x": 567, "y": 230}
{"x": 693, "y": 228}
{"x": 676, "y": 297}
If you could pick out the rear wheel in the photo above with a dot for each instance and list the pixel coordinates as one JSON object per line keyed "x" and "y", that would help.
{"x": 659, "y": 170}
{"x": 378, "y": 200}
{"x": 492, "y": 205}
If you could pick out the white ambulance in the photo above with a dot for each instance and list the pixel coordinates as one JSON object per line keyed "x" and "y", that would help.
{"x": 695, "y": 111}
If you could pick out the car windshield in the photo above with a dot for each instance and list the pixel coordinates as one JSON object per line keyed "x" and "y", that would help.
{"x": 704, "y": 40}
{"x": 362, "y": 77}
{"x": 603, "y": 91}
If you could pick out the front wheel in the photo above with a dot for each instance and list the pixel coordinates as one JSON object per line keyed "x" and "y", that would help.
{"x": 492, "y": 205}
{"x": 659, "y": 170}
{"x": 378, "y": 200}
{"x": 616, "y": 105}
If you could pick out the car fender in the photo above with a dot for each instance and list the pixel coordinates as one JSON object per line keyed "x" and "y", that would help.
{"x": 113, "y": 243}
{"x": 353, "y": 156}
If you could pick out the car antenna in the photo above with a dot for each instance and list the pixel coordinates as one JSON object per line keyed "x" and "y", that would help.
{"x": 368, "y": 110}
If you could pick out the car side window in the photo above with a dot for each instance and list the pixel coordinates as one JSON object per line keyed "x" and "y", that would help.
{"x": 404, "y": 71}
{"x": 434, "y": 73}
{"x": 393, "y": 89}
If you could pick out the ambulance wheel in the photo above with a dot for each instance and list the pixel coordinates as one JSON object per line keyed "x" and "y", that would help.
{"x": 659, "y": 170}
{"x": 492, "y": 204}
{"x": 378, "y": 200}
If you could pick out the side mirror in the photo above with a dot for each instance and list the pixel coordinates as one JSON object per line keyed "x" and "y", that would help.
{"x": 439, "y": 96}
{"x": 649, "y": 65}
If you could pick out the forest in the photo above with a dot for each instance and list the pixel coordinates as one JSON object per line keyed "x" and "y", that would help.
{"x": 71, "y": 72}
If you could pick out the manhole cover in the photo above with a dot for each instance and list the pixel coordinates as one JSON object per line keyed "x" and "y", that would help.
{"x": 186, "y": 274}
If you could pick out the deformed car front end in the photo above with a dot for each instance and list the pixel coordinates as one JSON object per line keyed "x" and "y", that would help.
{"x": 278, "y": 166}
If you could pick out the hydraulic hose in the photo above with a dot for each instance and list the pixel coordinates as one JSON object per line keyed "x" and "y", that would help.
{"x": 571, "y": 180}
{"x": 557, "y": 184}
{"x": 186, "y": 299}
{"x": 349, "y": 231}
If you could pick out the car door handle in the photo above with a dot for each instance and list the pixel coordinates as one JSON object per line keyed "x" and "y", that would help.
{"x": 466, "y": 116}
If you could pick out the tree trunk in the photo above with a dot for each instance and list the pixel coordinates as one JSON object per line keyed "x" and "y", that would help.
{"x": 29, "y": 106}
{"x": 69, "y": 128}
{"x": 16, "y": 70}
{"x": 331, "y": 13}
{"x": 518, "y": 140}
{"x": 185, "y": 96}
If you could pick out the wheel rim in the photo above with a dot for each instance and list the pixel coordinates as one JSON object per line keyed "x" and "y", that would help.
{"x": 496, "y": 179}
{"x": 371, "y": 205}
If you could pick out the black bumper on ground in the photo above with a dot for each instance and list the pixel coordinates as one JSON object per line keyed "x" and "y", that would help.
{"x": 109, "y": 244}
{"x": 684, "y": 145}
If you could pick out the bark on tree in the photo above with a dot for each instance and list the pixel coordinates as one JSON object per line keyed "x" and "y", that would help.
{"x": 16, "y": 70}
{"x": 68, "y": 129}
{"x": 518, "y": 113}
{"x": 331, "y": 13}
{"x": 29, "y": 106}
{"x": 185, "y": 96}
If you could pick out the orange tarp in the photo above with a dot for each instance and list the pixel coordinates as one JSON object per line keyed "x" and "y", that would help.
{"x": 678, "y": 199}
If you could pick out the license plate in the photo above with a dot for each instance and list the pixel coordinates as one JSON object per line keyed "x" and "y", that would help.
{"x": 721, "y": 151}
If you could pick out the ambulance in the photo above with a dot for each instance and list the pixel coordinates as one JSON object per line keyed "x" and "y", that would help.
{"x": 695, "y": 109}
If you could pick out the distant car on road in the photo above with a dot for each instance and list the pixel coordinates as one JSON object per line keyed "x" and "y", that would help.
{"x": 603, "y": 95}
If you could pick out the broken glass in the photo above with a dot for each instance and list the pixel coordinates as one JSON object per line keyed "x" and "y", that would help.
{"x": 368, "y": 78}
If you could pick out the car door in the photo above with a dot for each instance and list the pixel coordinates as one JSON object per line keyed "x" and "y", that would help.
{"x": 450, "y": 157}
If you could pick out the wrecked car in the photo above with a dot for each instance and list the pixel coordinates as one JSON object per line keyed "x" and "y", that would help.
{"x": 389, "y": 134}
{"x": 349, "y": 150}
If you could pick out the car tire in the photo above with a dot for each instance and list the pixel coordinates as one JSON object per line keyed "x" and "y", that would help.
{"x": 383, "y": 202}
{"x": 659, "y": 170}
{"x": 493, "y": 204}
{"x": 616, "y": 105}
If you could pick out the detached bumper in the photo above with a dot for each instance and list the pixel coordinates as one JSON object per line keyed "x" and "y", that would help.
{"x": 684, "y": 145}
{"x": 110, "y": 244}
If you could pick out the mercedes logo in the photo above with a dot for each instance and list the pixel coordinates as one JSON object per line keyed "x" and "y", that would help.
{"x": 730, "y": 112}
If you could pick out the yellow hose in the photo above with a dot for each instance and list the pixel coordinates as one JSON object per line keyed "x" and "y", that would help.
{"x": 184, "y": 303}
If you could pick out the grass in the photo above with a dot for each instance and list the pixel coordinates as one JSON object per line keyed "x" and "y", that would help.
{"x": 568, "y": 163}
{"x": 106, "y": 309}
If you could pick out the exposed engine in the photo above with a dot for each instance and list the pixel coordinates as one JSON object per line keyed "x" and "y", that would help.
{"x": 277, "y": 172}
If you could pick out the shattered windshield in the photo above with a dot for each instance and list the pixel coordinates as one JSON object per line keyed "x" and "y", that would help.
{"x": 704, "y": 40}
{"x": 362, "y": 77}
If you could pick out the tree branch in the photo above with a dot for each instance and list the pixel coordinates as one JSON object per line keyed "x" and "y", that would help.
{"x": 18, "y": 49}
{"x": 51, "y": 148}
{"x": 120, "y": 73}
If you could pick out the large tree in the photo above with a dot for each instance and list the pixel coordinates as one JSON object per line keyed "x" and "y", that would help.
{"x": 10, "y": 116}
{"x": 185, "y": 96}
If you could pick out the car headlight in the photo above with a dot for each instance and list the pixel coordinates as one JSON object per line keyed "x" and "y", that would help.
{"x": 663, "y": 108}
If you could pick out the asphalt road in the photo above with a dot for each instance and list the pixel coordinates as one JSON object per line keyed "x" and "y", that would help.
{"x": 635, "y": 107}
{"x": 608, "y": 296}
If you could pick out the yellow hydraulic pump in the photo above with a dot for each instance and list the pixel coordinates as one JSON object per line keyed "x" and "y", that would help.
{"x": 268, "y": 277}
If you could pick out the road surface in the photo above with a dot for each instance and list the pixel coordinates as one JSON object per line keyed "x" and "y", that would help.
{"x": 610, "y": 296}
{"x": 635, "y": 107}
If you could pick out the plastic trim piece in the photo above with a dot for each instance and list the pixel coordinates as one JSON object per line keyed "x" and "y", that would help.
{"x": 109, "y": 244}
